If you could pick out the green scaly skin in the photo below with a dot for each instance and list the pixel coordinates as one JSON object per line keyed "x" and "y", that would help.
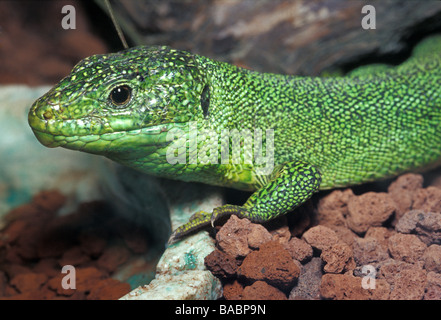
{"x": 328, "y": 132}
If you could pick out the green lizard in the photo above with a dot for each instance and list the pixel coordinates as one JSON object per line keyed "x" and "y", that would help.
{"x": 327, "y": 132}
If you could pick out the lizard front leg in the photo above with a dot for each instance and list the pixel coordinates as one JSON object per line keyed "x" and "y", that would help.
{"x": 292, "y": 184}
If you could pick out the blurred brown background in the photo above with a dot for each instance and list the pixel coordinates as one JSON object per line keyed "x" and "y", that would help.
{"x": 285, "y": 36}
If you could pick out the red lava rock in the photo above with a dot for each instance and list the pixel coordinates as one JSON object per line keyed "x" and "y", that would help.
{"x": 28, "y": 281}
{"x": 432, "y": 258}
{"x": 92, "y": 245}
{"x": 346, "y": 235}
{"x": 36, "y": 243}
{"x": 271, "y": 263}
{"x": 73, "y": 256}
{"x": 433, "y": 287}
{"x": 427, "y": 199}
{"x": 108, "y": 289}
{"x": 406, "y": 247}
{"x": 299, "y": 250}
{"x": 112, "y": 258}
{"x": 233, "y": 290}
{"x": 281, "y": 234}
{"x": 332, "y": 209}
{"x": 26, "y": 245}
{"x": 257, "y": 236}
{"x": 13, "y": 231}
{"x": 370, "y": 209}
{"x": 49, "y": 201}
{"x": 48, "y": 248}
{"x": 85, "y": 280}
{"x": 27, "y": 212}
{"x": 308, "y": 284}
{"x": 347, "y": 287}
{"x": 321, "y": 237}
{"x": 40, "y": 294}
{"x": 49, "y": 267}
{"x": 221, "y": 264}
{"x": 13, "y": 269}
{"x": 260, "y": 290}
{"x": 3, "y": 283}
{"x": 426, "y": 225}
{"x": 381, "y": 234}
{"x": 339, "y": 258}
{"x": 367, "y": 250}
{"x": 407, "y": 281}
{"x": 403, "y": 189}
{"x": 232, "y": 238}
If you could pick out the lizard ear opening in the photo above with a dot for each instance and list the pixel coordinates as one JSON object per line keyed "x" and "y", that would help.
{"x": 205, "y": 100}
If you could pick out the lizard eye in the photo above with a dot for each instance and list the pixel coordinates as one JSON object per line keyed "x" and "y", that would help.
{"x": 121, "y": 95}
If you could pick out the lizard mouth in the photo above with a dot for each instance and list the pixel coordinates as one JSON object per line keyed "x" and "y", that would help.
{"x": 126, "y": 144}
{"x": 108, "y": 143}
{"x": 97, "y": 135}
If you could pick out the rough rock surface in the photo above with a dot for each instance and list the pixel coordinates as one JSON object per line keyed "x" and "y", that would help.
{"x": 349, "y": 243}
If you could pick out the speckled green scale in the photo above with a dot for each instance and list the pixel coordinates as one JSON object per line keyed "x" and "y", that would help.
{"x": 374, "y": 123}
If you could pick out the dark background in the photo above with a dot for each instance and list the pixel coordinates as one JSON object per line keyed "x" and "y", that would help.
{"x": 292, "y": 36}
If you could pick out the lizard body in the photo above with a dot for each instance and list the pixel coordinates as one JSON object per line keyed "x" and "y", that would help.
{"x": 318, "y": 133}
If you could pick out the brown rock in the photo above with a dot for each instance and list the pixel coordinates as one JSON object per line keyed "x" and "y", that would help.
{"x": 92, "y": 245}
{"x": 433, "y": 287}
{"x": 49, "y": 201}
{"x": 232, "y": 238}
{"x": 74, "y": 256}
{"x": 113, "y": 257}
{"x": 26, "y": 244}
{"x": 367, "y": 250}
{"x": 26, "y": 282}
{"x": 13, "y": 231}
{"x": 85, "y": 280}
{"x": 370, "y": 209}
{"x": 332, "y": 208}
{"x": 13, "y": 269}
{"x": 320, "y": 237}
{"x": 3, "y": 283}
{"x": 308, "y": 284}
{"x": 271, "y": 263}
{"x": 403, "y": 189}
{"x": 381, "y": 234}
{"x": 233, "y": 290}
{"x": 108, "y": 289}
{"x": 407, "y": 281}
{"x": 426, "y": 225}
{"x": 345, "y": 234}
{"x": 48, "y": 266}
{"x": 338, "y": 258}
{"x": 406, "y": 247}
{"x": 260, "y": 290}
{"x": 257, "y": 236}
{"x": 299, "y": 250}
{"x": 427, "y": 199}
{"x": 432, "y": 258}
{"x": 347, "y": 287}
{"x": 281, "y": 234}
{"x": 221, "y": 264}
{"x": 409, "y": 285}
{"x": 47, "y": 247}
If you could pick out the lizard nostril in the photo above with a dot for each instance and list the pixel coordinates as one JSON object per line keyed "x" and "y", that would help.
{"x": 47, "y": 115}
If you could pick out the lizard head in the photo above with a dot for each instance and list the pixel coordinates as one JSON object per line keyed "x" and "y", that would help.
{"x": 117, "y": 102}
